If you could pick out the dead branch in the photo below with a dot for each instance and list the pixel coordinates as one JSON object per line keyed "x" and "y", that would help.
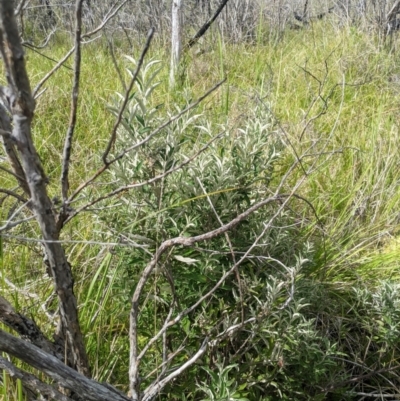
{"x": 6, "y": 170}
{"x": 114, "y": 61}
{"x": 158, "y": 385}
{"x": 10, "y": 223}
{"x": 87, "y": 35}
{"x": 64, "y": 376}
{"x": 31, "y": 382}
{"x": 106, "y": 19}
{"x": 126, "y": 98}
{"x": 22, "y": 107}
{"x": 32, "y": 46}
{"x": 74, "y": 105}
{"x": 19, "y": 7}
{"x": 13, "y": 194}
{"x": 75, "y": 91}
{"x": 52, "y": 71}
{"x": 206, "y": 26}
{"x": 27, "y": 329}
{"x": 393, "y": 11}
{"x": 228, "y": 240}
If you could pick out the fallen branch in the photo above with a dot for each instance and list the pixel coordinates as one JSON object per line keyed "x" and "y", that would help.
{"x": 64, "y": 376}
{"x": 31, "y": 382}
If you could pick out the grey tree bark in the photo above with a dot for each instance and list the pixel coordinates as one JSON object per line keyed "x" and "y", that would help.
{"x": 176, "y": 39}
{"x": 22, "y": 153}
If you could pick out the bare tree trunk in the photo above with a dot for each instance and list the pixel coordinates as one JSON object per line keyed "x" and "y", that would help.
{"x": 176, "y": 39}
{"x": 21, "y": 106}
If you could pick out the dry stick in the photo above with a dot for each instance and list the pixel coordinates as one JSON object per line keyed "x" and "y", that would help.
{"x": 22, "y": 110}
{"x": 64, "y": 375}
{"x": 52, "y": 71}
{"x": 68, "y": 55}
{"x": 74, "y": 105}
{"x": 19, "y": 7}
{"x": 133, "y": 147}
{"x": 30, "y": 45}
{"x": 7, "y": 170}
{"x": 156, "y": 387}
{"x": 305, "y": 9}
{"x": 45, "y": 56}
{"x": 164, "y": 365}
{"x": 116, "y": 66}
{"x": 32, "y": 382}
{"x": 105, "y": 21}
{"x": 206, "y": 26}
{"x": 11, "y": 224}
{"x": 377, "y": 395}
{"x": 13, "y": 194}
{"x": 126, "y": 98}
{"x": 228, "y": 240}
{"x": 41, "y": 241}
{"x": 141, "y": 184}
{"x": 393, "y": 11}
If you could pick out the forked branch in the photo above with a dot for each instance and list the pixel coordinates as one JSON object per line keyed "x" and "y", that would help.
{"x": 22, "y": 106}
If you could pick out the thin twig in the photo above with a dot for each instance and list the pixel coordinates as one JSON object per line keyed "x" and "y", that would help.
{"x": 102, "y": 169}
{"x": 116, "y": 66}
{"x": 11, "y": 173}
{"x": 126, "y": 98}
{"x": 11, "y": 224}
{"x": 158, "y": 385}
{"x": 52, "y": 71}
{"x": 30, "y": 45}
{"x": 13, "y": 194}
{"x": 166, "y": 362}
{"x": 74, "y": 104}
{"x": 143, "y": 183}
{"x": 66, "y": 241}
{"x": 228, "y": 240}
{"x": 19, "y": 7}
{"x": 107, "y": 18}
{"x": 70, "y": 52}
{"x": 393, "y": 11}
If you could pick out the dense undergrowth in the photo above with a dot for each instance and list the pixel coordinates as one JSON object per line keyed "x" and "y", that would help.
{"x": 320, "y": 290}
